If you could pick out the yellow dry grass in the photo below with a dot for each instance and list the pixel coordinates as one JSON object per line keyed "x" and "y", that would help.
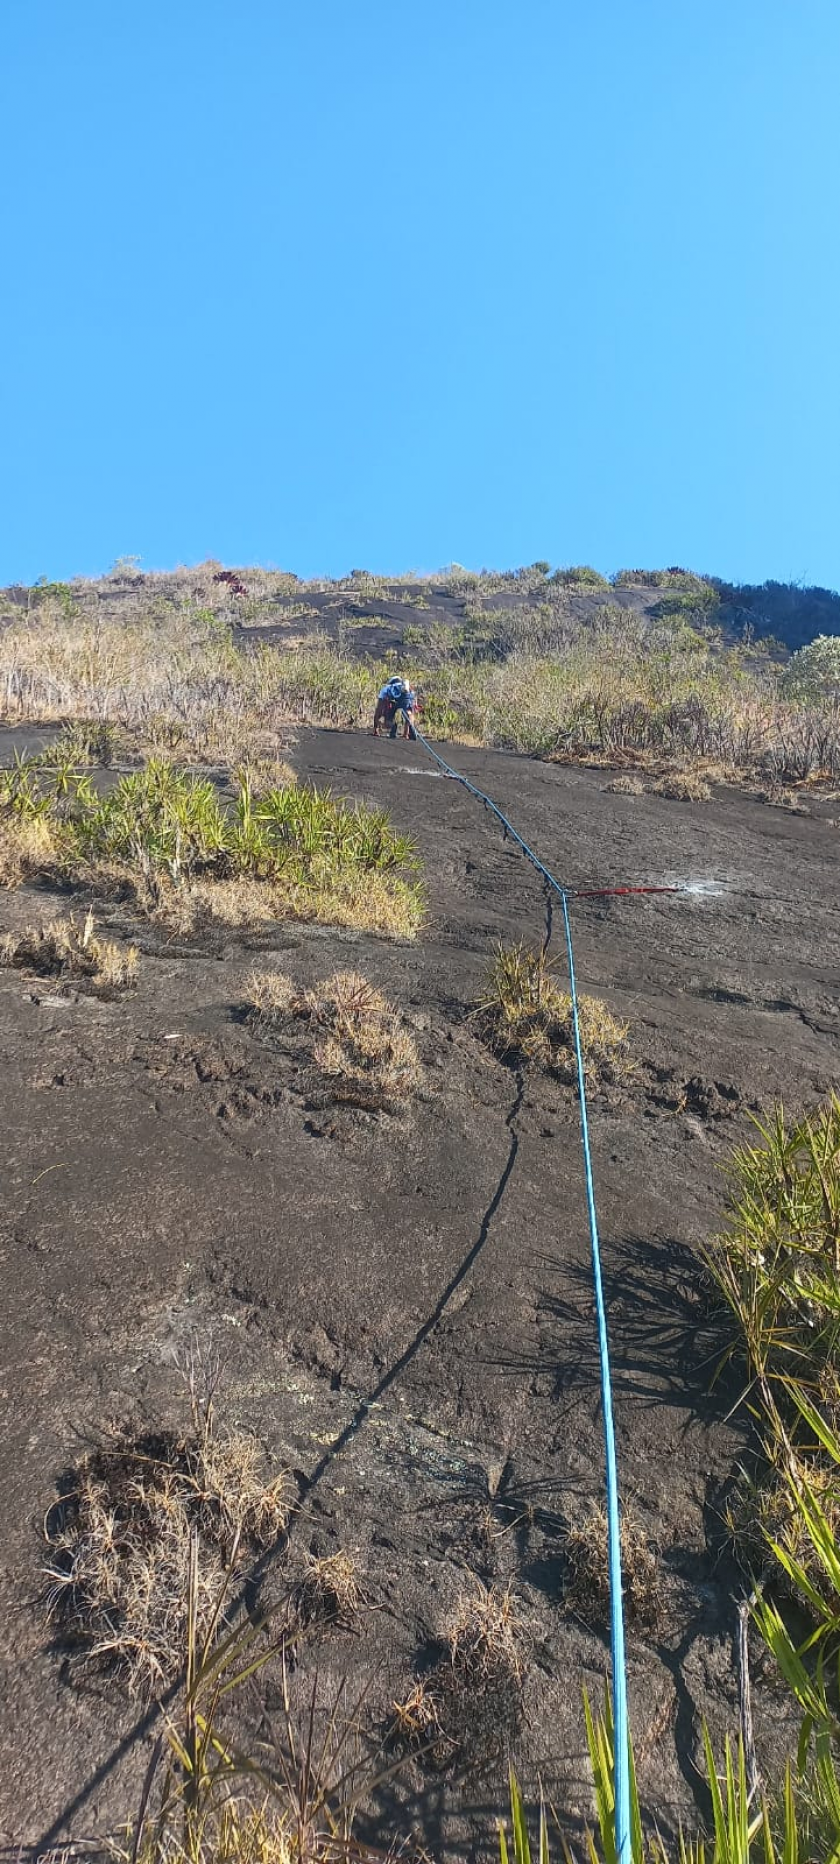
{"x": 483, "y": 1636}
{"x": 682, "y": 786}
{"x": 470, "y": 1699}
{"x": 330, "y": 1589}
{"x": 586, "y": 1589}
{"x": 71, "y": 951}
{"x": 626, "y": 785}
{"x": 357, "y": 1041}
{"x": 120, "y": 1547}
{"x": 234, "y": 1832}
{"x": 525, "y": 1014}
{"x": 375, "y": 903}
{"x": 27, "y": 846}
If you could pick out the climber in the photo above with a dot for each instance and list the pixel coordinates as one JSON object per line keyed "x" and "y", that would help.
{"x": 406, "y": 709}
{"x": 392, "y": 698}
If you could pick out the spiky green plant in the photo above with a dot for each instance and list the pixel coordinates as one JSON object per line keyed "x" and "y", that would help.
{"x": 162, "y": 817}
{"x": 521, "y": 1850}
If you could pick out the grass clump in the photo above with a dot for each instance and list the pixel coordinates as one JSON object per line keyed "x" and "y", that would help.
{"x": 187, "y": 853}
{"x": 73, "y": 953}
{"x": 625, "y": 785}
{"x": 683, "y": 786}
{"x": 527, "y": 1017}
{"x": 777, "y": 1263}
{"x": 467, "y": 1706}
{"x": 484, "y": 1636}
{"x": 27, "y": 848}
{"x": 329, "y": 1590}
{"x": 120, "y": 1543}
{"x": 586, "y": 1587}
{"x": 362, "y": 1053}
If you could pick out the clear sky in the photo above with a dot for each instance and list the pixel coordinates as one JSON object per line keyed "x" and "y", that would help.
{"x": 335, "y": 284}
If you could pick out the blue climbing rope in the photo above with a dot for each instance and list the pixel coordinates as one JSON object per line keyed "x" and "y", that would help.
{"x": 619, "y": 1669}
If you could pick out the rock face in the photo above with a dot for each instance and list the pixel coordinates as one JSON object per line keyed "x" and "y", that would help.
{"x": 403, "y": 1300}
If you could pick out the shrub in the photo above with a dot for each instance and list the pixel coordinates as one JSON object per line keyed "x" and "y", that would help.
{"x": 579, "y": 575}
{"x": 813, "y": 674}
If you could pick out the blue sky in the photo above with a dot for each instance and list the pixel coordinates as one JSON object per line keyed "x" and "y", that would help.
{"x": 381, "y": 286}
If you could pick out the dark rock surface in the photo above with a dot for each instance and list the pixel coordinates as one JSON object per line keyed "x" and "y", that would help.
{"x": 404, "y": 1303}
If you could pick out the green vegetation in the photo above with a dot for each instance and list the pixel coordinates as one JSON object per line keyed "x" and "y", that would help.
{"x": 580, "y": 576}
{"x": 520, "y": 662}
{"x": 172, "y": 840}
{"x": 790, "y": 612}
{"x": 743, "y": 1830}
{"x": 777, "y": 1269}
{"x": 813, "y": 674}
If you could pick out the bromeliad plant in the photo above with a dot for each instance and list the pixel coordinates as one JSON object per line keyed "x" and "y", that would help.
{"x": 744, "y": 1830}
{"x": 165, "y": 820}
{"x": 777, "y": 1267}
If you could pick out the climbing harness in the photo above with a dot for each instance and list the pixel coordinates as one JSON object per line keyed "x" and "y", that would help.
{"x": 619, "y": 1672}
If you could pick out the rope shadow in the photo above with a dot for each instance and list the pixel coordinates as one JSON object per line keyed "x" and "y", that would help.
{"x": 400, "y": 1365}
{"x": 666, "y": 1335}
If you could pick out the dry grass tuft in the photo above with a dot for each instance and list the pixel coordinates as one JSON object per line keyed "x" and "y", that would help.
{"x": 469, "y": 1703}
{"x": 119, "y": 1549}
{"x": 683, "y": 786}
{"x": 783, "y": 799}
{"x": 66, "y": 950}
{"x": 417, "y": 1720}
{"x": 483, "y": 1636}
{"x": 330, "y": 1589}
{"x": 270, "y": 997}
{"x": 586, "y": 1589}
{"x": 358, "y": 1044}
{"x": 625, "y": 786}
{"x": 234, "y": 1832}
{"x": 526, "y": 1017}
{"x": 26, "y": 846}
